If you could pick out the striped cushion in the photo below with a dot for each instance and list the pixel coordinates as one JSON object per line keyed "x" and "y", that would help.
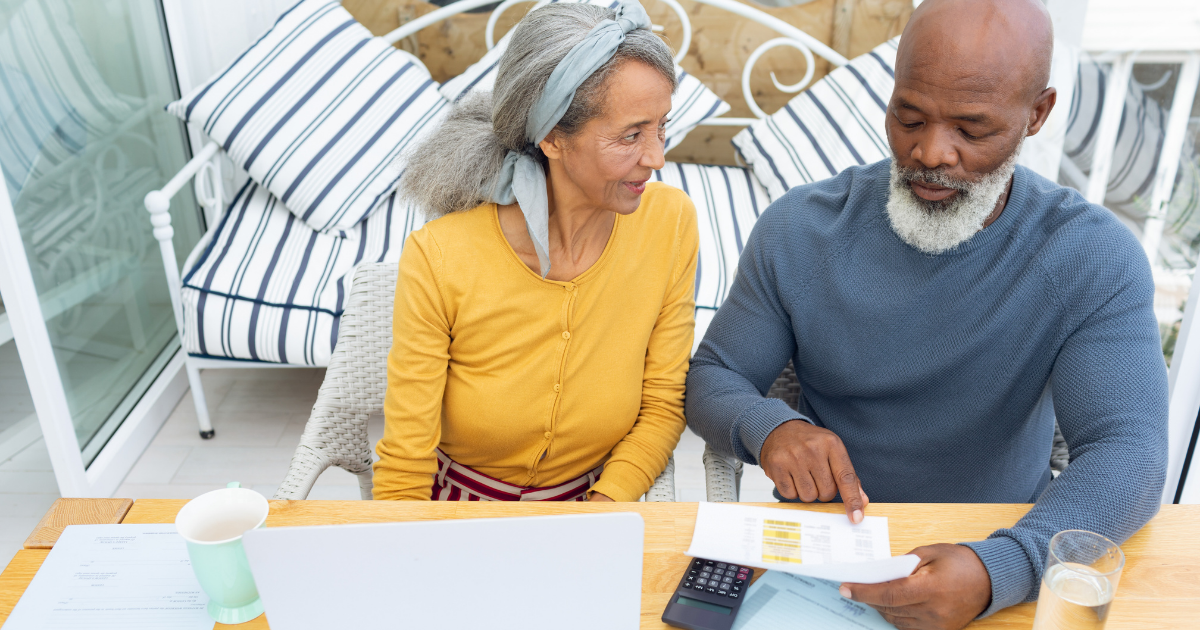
{"x": 52, "y": 96}
{"x": 318, "y": 111}
{"x": 838, "y": 122}
{"x": 33, "y": 119}
{"x": 266, "y": 287}
{"x": 728, "y": 201}
{"x": 692, "y": 103}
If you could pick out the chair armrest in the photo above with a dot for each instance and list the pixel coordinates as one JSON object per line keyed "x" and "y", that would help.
{"x": 307, "y": 464}
{"x": 663, "y": 489}
{"x": 722, "y": 476}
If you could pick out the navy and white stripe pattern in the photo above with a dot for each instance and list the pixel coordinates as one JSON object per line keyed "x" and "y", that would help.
{"x": 33, "y": 121}
{"x": 267, "y": 287}
{"x": 52, "y": 96}
{"x": 692, "y": 103}
{"x": 1138, "y": 147}
{"x": 836, "y": 123}
{"x": 728, "y": 200}
{"x": 319, "y": 112}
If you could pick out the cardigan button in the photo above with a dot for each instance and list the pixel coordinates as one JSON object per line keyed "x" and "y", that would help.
{"x": 549, "y": 435}
{"x": 566, "y": 334}
{"x": 557, "y": 387}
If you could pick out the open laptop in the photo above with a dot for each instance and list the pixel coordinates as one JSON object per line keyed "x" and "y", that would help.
{"x": 581, "y": 571}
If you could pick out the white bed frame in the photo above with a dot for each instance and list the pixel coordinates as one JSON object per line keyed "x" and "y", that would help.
{"x": 205, "y": 167}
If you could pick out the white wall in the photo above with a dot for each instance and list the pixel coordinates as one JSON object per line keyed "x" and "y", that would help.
{"x": 1142, "y": 25}
{"x": 206, "y": 36}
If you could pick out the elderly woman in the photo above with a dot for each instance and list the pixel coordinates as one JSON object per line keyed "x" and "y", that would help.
{"x": 543, "y": 323}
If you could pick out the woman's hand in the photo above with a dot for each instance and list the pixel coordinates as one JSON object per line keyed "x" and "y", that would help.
{"x": 596, "y": 496}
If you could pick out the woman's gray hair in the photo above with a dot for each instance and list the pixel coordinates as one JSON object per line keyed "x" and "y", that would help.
{"x": 447, "y": 171}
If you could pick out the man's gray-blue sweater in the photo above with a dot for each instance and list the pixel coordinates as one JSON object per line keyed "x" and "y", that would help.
{"x": 943, "y": 374}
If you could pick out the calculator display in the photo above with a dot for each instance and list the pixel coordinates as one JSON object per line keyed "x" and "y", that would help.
{"x": 724, "y": 610}
{"x": 708, "y": 596}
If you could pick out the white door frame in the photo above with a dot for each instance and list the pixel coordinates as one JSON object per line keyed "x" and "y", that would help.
{"x": 25, "y": 324}
{"x": 25, "y": 316}
{"x": 37, "y": 356}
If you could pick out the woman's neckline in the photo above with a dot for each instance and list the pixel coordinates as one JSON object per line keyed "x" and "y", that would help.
{"x": 582, "y": 277}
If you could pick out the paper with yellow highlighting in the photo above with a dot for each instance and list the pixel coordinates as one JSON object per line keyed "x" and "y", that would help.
{"x": 825, "y": 546}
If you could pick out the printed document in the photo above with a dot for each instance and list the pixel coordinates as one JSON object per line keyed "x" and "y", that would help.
{"x": 825, "y": 546}
{"x": 779, "y": 601}
{"x": 114, "y": 576}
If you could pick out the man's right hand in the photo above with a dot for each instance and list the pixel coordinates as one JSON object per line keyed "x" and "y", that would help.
{"x": 811, "y": 464}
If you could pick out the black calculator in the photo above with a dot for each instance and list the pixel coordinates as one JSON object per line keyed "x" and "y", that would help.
{"x": 708, "y": 596}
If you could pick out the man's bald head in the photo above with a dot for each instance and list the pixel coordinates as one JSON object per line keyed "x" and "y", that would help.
{"x": 984, "y": 43}
{"x": 971, "y": 80}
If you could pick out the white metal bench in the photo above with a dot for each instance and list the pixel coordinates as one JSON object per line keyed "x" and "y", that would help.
{"x": 205, "y": 169}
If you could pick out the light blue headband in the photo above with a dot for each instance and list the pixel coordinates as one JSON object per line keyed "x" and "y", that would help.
{"x": 521, "y": 178}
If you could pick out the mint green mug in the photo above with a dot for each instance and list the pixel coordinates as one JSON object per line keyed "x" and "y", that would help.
{"x": 213, "y": 524}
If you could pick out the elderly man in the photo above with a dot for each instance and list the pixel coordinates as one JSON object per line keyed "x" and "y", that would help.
{"x": 941, "y": 309}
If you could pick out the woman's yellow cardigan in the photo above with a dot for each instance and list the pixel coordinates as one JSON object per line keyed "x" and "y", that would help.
{"x": 533, "y": 381}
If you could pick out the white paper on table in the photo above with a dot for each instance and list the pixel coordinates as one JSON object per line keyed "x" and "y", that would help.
{"x": 825, "y": 546}
{"x": 780, "y": 601}
{"x": 114, "y": 576}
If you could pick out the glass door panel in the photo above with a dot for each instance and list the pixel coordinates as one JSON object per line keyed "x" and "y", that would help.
{"x": 1152, "y": 182}
{"x": 83, "y": 138}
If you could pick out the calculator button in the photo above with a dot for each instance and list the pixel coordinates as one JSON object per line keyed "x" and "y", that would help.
{"x": 734, "y": 568}
{"x": 688, "y": 585}
{"x": 721, "y": 565}
{"x": 709, "y": 563}
{"x": 727, "y": 579}
{"x": 719, "y": 571}
{"x": 722, "y": 593}
{"x": 693, "y": 572}
{"x": 698, "y": 587}
{"x": 735, "y": 589}
{"x": 702, "y": 581}
{"x": 705, "y": 574}
{"x": 733, "y": 595}
{"x": 697, "y": 563}
{"x": 739, "y": 582}
{"x": 743, "y": 574}
{"x": 711, "y": 590}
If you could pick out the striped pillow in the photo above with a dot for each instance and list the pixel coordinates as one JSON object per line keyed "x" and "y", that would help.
{"x": 318, "y": 111}
{"x": 52, "y": 95}
{"x": 692, "y": 103}
{"x": 838, "y": 122}
{"x": 728, "y": 201}
{"x": 267, "y": 287}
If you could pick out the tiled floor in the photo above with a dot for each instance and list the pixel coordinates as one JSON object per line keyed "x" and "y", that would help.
{"x": 259, "y": 415}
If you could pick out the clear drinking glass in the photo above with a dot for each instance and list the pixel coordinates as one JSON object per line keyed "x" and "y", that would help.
{"x": 1082, "y": 572}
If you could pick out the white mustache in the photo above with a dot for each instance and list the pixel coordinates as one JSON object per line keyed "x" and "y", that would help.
{"x": 934, "y": 227}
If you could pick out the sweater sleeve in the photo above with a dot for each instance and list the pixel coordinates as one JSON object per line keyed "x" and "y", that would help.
{"x": 1109, "y": 386}
{"x": 748, "y": 343}
{"x": 416, "y": 377}
{"x": 641, "y": 456}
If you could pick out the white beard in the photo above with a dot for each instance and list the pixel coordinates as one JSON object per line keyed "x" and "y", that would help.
{"x": 934, "y": 227}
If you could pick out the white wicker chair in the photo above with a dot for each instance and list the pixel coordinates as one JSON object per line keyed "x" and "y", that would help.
{"x": 355, "y": 382}
{"x": 723, "y": 475}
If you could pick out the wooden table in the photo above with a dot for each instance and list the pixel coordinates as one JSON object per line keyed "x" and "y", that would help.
{"x": 1160, "y": 587}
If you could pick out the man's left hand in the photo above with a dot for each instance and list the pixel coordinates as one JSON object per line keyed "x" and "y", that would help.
{"x": 949, "y": 588}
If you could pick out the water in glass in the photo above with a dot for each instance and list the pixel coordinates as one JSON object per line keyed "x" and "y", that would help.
{"x": 1073, "y": 597}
